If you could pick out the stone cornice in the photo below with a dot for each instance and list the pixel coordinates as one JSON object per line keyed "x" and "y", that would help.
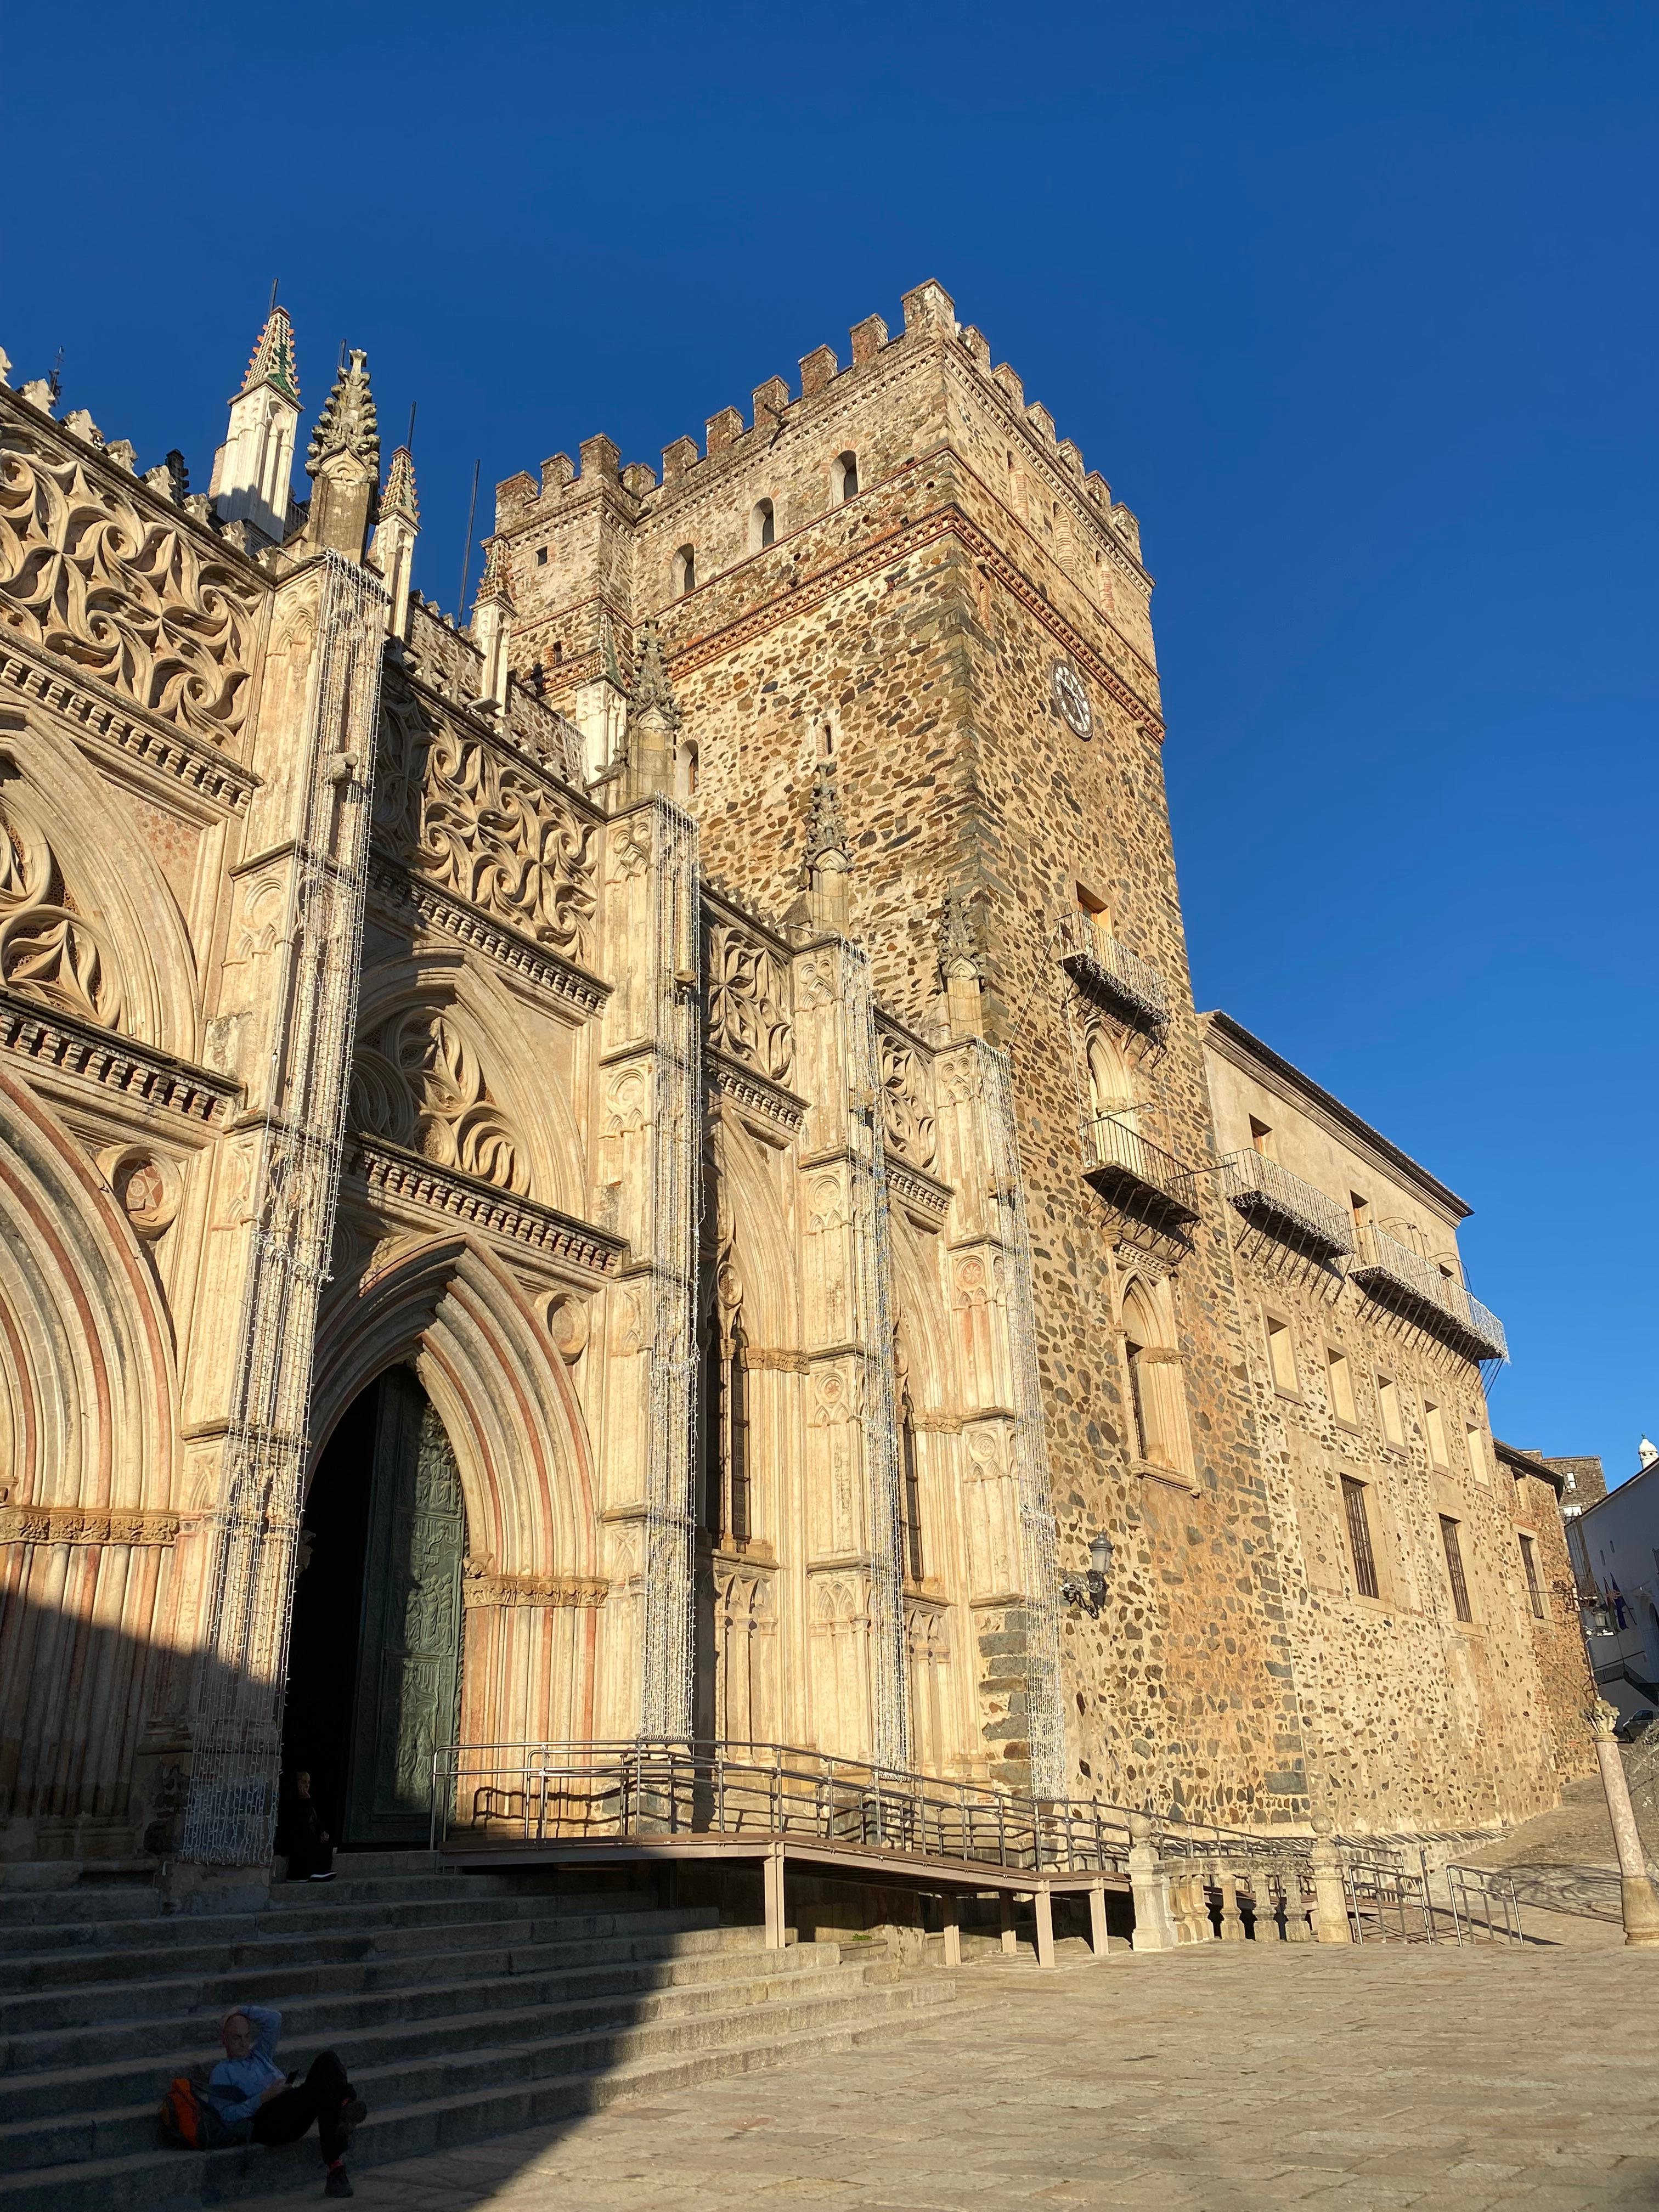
{"x": 471, "y": 925}
{"x": 948, "y": 521}
{"x": 75, "y": 1524}
{"x": 915, "y": 1188}
{"x": 389, "y": 1173}
{"x": 552, "y": 1592}
{"x": 60, "y": 1043}
{"x": 37, "y": 676}
{"x": 745, "y": 1087}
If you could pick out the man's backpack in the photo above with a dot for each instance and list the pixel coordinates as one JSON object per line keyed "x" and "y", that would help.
{"x": 185, "y": 2115}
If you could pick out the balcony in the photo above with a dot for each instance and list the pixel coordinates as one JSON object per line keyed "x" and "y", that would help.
{"x": 1403, "y": 1280}
{"x": 1138, "y": 1177}
{"x": 1097, "y": 963}
{"x": 1271, "y": 1198}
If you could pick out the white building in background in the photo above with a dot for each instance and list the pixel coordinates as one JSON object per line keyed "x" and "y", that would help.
{"x": 1614, "y": 1547}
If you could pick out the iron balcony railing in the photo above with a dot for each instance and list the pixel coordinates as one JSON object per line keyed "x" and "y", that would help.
{"x": 1399, "y": 1277}
{"x": 1138, "y": 1175}
{"x": 1270, "y": 1197}
{"x": 1101, "y": 965}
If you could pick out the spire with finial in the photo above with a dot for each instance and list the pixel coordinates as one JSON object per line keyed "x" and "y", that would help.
{"x": 274, "y": 360}
{"x": 492, "y": 620}
{"x": 393, "y": 549}
{"x": 826, "y": 826}
{"x": 961, "y": 966}
{"x": 252, "y": 477}
{"x": 653, "y": 694}
{"x": 345, "y": 462}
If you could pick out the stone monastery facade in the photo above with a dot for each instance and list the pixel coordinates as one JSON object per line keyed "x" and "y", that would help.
{"x": 648, "y": 1166}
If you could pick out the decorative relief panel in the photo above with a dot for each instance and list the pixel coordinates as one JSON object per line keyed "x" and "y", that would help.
{"x": 128, "y": 597}
{"x": 471, "y": 816}
{"x": 49, "y": 951}
{"x": 748, "y": 1013}
{"x": 419, "y": 1084}
{"x": 906, "y": 1103}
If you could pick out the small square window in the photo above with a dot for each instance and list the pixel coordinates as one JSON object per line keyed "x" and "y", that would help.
{"x": 541, "y": 557}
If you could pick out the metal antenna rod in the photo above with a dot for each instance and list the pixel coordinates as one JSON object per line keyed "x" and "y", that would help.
{"x": 466, "y": 551}
{"x": 408, "y": 442}
{"x": 271, "y": 309}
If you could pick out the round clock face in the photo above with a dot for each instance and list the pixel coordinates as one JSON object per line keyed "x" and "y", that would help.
{"x": 1071, "y": 698}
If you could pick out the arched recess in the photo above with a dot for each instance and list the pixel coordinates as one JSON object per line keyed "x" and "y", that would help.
{"x": 1157, "y": 1387}
{"x": 1112, "y": 1097}
{"x": 488, "y": 1087}
{"x": 533, "y": 1601}
{"x": 105, "y": 943}
{"x": 91, "y": 1473}
{"x": 503, "y": 1393}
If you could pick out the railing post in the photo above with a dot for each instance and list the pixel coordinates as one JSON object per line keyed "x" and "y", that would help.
{"x": 1297, "y": 1930}
{"x": 1150, "y": 1888}
{"x": 1330, "y": 1904}
{"x": 1637, "y": 1903}
{"x": 1232, "y": 1920}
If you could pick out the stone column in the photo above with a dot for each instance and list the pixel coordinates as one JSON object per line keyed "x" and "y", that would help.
{"x": 1232, "y": 1921}
{"x": 1297, "y": 1930}
{"x": 1150, "y": 1885}
{"x": 1636, "y": 1900}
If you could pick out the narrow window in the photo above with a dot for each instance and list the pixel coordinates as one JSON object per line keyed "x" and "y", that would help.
{"x": 1434, "y": 1422}
{"x": 1341, "y": 1380}
{"x": 911, "y": 1502}
{"x": 1359, "y": 1537}
{"x": 1460, "y": 1588}
{"x": 1388, "y": 1398}
{"x": 685, "y": 571}
{"x": 844, "y": 473}
{"x": 558, "y": 651}
{"x": 1360, "y": 1209}
{"x": 761, "y": 527}
{"x": 541, "y": 557}
{"x": 1534, "y": 1588}
{"x": 736, "y": 1436}
{"x": 713, "y": 1414}
{"x": 1281, "y": 1355}
{"x": 1135, "y": 1353}
{"x": 1475, "y": 1444}
{"x": 1261, "y": 1139}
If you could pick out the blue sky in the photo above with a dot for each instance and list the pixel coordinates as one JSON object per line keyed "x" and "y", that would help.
{"x": 1355, "y": 308}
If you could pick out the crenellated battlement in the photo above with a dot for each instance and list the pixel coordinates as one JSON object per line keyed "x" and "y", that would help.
{"x": 929, "y": 319}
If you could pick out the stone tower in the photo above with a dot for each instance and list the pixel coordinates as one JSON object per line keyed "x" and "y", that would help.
{"x": 902, "y": 581}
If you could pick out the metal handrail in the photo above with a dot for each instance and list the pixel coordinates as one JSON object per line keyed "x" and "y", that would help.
{"x": 581, "y": 1791}
{"x": 1112, "y": 1144}
{"x": 1092, "y": 956}
{"x": 1383, "y": 1260}
{"x": 1484, "y": 1904}
{"x": 1258, "y": 1186}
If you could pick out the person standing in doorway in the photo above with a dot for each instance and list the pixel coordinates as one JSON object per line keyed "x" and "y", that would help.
{"x": 301, "y": 1835}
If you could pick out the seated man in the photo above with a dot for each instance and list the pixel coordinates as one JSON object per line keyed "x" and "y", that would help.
{"x": 257, "y": 2101}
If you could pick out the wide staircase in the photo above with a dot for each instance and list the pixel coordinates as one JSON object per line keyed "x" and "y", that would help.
{"x": 462, "y": 2005}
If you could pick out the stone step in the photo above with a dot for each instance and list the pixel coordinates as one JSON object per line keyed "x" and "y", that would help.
{"x": 157, "y": 2180}
{"x": 242, "y": 1972}
{"x": 422, "y": 2060}
{"x": 90, "y": 2066}
{"x": 324, "y": 1913}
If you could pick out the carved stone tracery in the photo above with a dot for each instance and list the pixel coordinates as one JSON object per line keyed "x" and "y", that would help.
{"x": 748, "y": 1011}
{"x": 417, "y": 1082}
{"x": 96, "y": 579}
{"x": 906, "y": 1105}
{"x": 468, "y": 815}
{"x": 49, "y": 951}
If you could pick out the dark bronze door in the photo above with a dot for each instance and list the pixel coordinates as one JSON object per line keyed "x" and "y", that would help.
{"x": 409, "y": 1652}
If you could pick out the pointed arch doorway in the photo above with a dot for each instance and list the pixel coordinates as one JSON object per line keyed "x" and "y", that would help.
{"x": 374, "y": 1678}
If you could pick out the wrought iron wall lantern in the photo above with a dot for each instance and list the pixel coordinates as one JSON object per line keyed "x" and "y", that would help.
{"x": 1089, "y": 1590}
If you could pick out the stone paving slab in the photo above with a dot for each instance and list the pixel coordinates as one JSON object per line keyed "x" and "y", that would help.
{"x": 1218, "y": 2079}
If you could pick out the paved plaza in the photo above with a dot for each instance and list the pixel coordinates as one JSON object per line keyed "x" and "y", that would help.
{"x": 1220, "y": 2079}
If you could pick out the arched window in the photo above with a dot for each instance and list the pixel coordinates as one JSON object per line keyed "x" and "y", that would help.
{"x": 910, "y": 1491}
{"x": 1157, "y": 1413}
{"x": 685, "y": 571}
{"x": 762, "y": 526}
{"x": 1114, "y": 1124}
{"x": 844, "y": 476}
{"x": 686, "y": 766}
